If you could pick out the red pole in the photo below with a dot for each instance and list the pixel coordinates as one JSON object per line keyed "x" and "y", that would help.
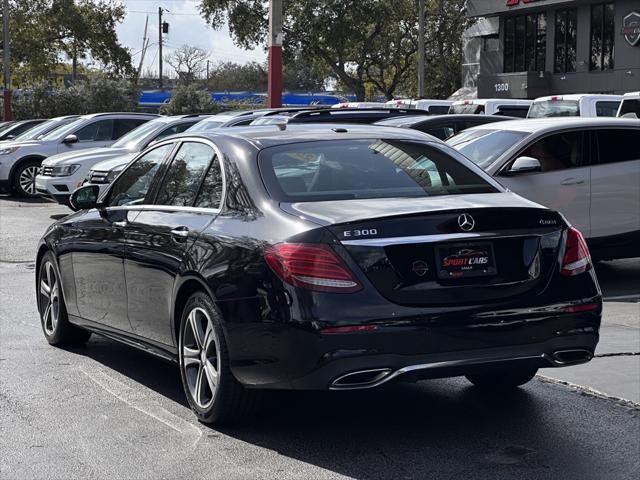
{"x": 6, "y": 96}
{"x": 274, "y": 88}
{"x": 275, "y": 77}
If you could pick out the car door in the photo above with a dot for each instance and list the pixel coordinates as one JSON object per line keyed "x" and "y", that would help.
{"x": 615, "y": 182}
{"x": 98, "y": 248}
{"x": 98, "y": 133}
{"x": 187, "y": 200}
{"x": 564, "y": 182}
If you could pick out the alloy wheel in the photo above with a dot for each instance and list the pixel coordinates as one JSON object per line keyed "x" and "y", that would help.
{"x": 49, "y": 298}
{"x": 27, "y": 180}
{"x": 200, "y": 357}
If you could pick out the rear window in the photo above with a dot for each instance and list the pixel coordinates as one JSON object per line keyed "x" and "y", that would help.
{"x": 554, "y": 108}
{"x": 607, "y": 109}
{"x": 483, "y": 146}
{"x": 350, "y": 169}
{"x": 467, "y": 108}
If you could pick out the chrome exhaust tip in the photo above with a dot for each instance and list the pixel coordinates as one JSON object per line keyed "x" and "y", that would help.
{"x": 572, "y": 357}
{"x": 361, "y": 379}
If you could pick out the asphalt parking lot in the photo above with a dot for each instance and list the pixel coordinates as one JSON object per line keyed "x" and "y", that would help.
{"x": 107, "y": 411}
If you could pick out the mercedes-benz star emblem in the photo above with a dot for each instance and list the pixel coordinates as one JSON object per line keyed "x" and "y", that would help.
{"x": 466, "y": 222}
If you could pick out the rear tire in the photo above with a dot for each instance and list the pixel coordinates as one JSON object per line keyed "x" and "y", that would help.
{"x": 502, "y": 379}
{"x": 24, "y": 179}
{"x": 53, "y": 312}
{"x": 213, "y": 393}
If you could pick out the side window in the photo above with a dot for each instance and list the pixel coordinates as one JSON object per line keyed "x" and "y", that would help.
{"x": 125, "y": 125}
{"x": 210, "y": 195}
{"x": 173, "y": 130}
{"x": 618, "y": 146}
{"x": 438, "y": 109}
{"x": 182, "y": 180}
{"x": 132, "y": 186}
{"x": 558, "y": 152}
{"x": 95, "y": 132}
{"x": 607, "y": 109}
{"x": 442, "y": 133}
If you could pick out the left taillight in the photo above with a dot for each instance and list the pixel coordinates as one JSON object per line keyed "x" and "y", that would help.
{"x": 312, "y": 266}
{"x": 576, "y": 259}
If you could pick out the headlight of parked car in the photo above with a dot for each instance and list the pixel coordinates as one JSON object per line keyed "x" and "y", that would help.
{"x": 112, "y": 175}
{"x": 8, "y": 150}
{"x": 64, "y": 170}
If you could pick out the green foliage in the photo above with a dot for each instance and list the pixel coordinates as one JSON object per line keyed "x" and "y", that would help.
{"x": 96, "y": 94}
{"x": 42, "y": 31}
{"x": 362, "y": 43}
{"x": 189, "y": 99}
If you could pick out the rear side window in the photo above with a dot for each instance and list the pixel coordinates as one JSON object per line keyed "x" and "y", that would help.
{"x": 618, "y": 145}
{"x": 125, "y": 125}
{"x": 513, "y": 111}
{"x": 437, "y": 109}
{"x": 182, "y": 180}
{"x": 630, "y": 108}
{"x": 101, "y": 130}
{"x": 607, "y": 109}
{"x": 350, "y": 169}
{"x": 210, "y": 194}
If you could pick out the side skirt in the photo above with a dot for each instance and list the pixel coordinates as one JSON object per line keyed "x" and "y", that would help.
{"x": 164, "y": 352}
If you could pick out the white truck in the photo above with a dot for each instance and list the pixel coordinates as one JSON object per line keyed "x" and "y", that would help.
{"x": 434, "y": 107}
{"x": 577, "y": 105}
{"x": 492, "y": 106}
{"x": 630, "y": 105}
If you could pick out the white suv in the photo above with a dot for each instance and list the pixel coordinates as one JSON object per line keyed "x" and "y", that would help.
{"x": 578, "y": 105}
{"x": 20, "y": 161}
{"x": 61, "y": 174}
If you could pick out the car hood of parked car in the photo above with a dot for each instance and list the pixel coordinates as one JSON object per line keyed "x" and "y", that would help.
{"x": 113, "y": 163}
{"x": 92, "y": 155}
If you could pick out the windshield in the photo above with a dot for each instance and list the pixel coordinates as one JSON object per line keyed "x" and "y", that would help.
{"x": 43, "y": 129}
{"x": 64, "y": 131}
{"x": 469, "y": 108}
{"x": 204, "y": 126}
{"x": 630, "y": 108}
{"x": 482, "y": 146}
{"x": 134, "y": 139}
{"x": 554, "y": 108}
{"x": 355, "y": 169}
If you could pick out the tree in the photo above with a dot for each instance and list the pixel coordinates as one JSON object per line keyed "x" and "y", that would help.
{"x": 189, "y": 99}
{"x": 188, "y": 62}
{"x": 366, "y": 45}
{"x": 44, "y": 30}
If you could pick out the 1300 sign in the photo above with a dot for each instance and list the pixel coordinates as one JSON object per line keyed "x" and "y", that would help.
{"x": 501, "y": 87}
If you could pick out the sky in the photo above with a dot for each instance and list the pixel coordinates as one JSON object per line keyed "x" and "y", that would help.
{"x": 186, "y": 26}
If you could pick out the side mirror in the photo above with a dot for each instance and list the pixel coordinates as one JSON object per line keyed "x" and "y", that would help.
{"x": 69, "y": 139}
{"x": 85, "y": 197}
{"x": 524, "y": 165}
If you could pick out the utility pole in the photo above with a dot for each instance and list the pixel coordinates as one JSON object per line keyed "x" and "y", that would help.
{"x": 207, "y": 72}
{"x": 7, "y": 61}
{"x": 420, "y": 48}
{"x": 160, "y": 47}
{"x": 274, "y": 89}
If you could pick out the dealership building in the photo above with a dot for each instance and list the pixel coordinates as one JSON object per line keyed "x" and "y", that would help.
{"x": 534, "y": 48}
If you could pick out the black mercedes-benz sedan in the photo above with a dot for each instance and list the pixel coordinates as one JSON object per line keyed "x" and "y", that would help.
{"x": 318, "y": 257}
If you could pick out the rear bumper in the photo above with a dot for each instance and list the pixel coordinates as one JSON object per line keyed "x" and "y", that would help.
{"x": 288, "y": 357}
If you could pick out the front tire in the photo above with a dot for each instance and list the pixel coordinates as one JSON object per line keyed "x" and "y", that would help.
{"x": 53, "y": 312}
{"x": 503, "y": 379}
{"x": 212, "y": 391}
{"x": 24, "y": 179}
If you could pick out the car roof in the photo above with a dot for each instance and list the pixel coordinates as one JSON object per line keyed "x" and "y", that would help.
{"x": 121, "y": 114}
{"x": 632, "y": 95}
{"x": 578, "y": 96}
{"x": 273, "y": 135}
{"x": 409, "y": 120}
{"x": 541, "y": 124}
{"x": 485, "y": 101}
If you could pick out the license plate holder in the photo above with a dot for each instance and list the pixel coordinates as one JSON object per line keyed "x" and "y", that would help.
{"x": 465, "y": 261}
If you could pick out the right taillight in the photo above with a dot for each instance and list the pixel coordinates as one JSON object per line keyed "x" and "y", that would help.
{"x": 576, "y": 259}
{"x": 311, "y": 266}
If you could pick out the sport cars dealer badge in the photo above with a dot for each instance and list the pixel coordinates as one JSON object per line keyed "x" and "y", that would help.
{"x": 631, "y": 28}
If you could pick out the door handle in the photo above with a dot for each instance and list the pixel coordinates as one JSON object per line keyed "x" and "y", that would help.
{"x": 120, "y": 224}
{"x": 180, "y": 233}
{"x": 572, "y": 181}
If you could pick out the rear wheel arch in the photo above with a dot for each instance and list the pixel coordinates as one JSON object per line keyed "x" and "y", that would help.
{"x": 187, "y": 286}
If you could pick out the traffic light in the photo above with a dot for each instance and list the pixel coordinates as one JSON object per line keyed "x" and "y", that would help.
{"x": 165, "y": 27}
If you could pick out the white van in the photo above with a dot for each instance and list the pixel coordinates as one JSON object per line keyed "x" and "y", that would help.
{"x": 492, "y": 106}
{"x": 434, "y": 107}
{"x": 630, "y": 105}
{"x": 577, "y": 105}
